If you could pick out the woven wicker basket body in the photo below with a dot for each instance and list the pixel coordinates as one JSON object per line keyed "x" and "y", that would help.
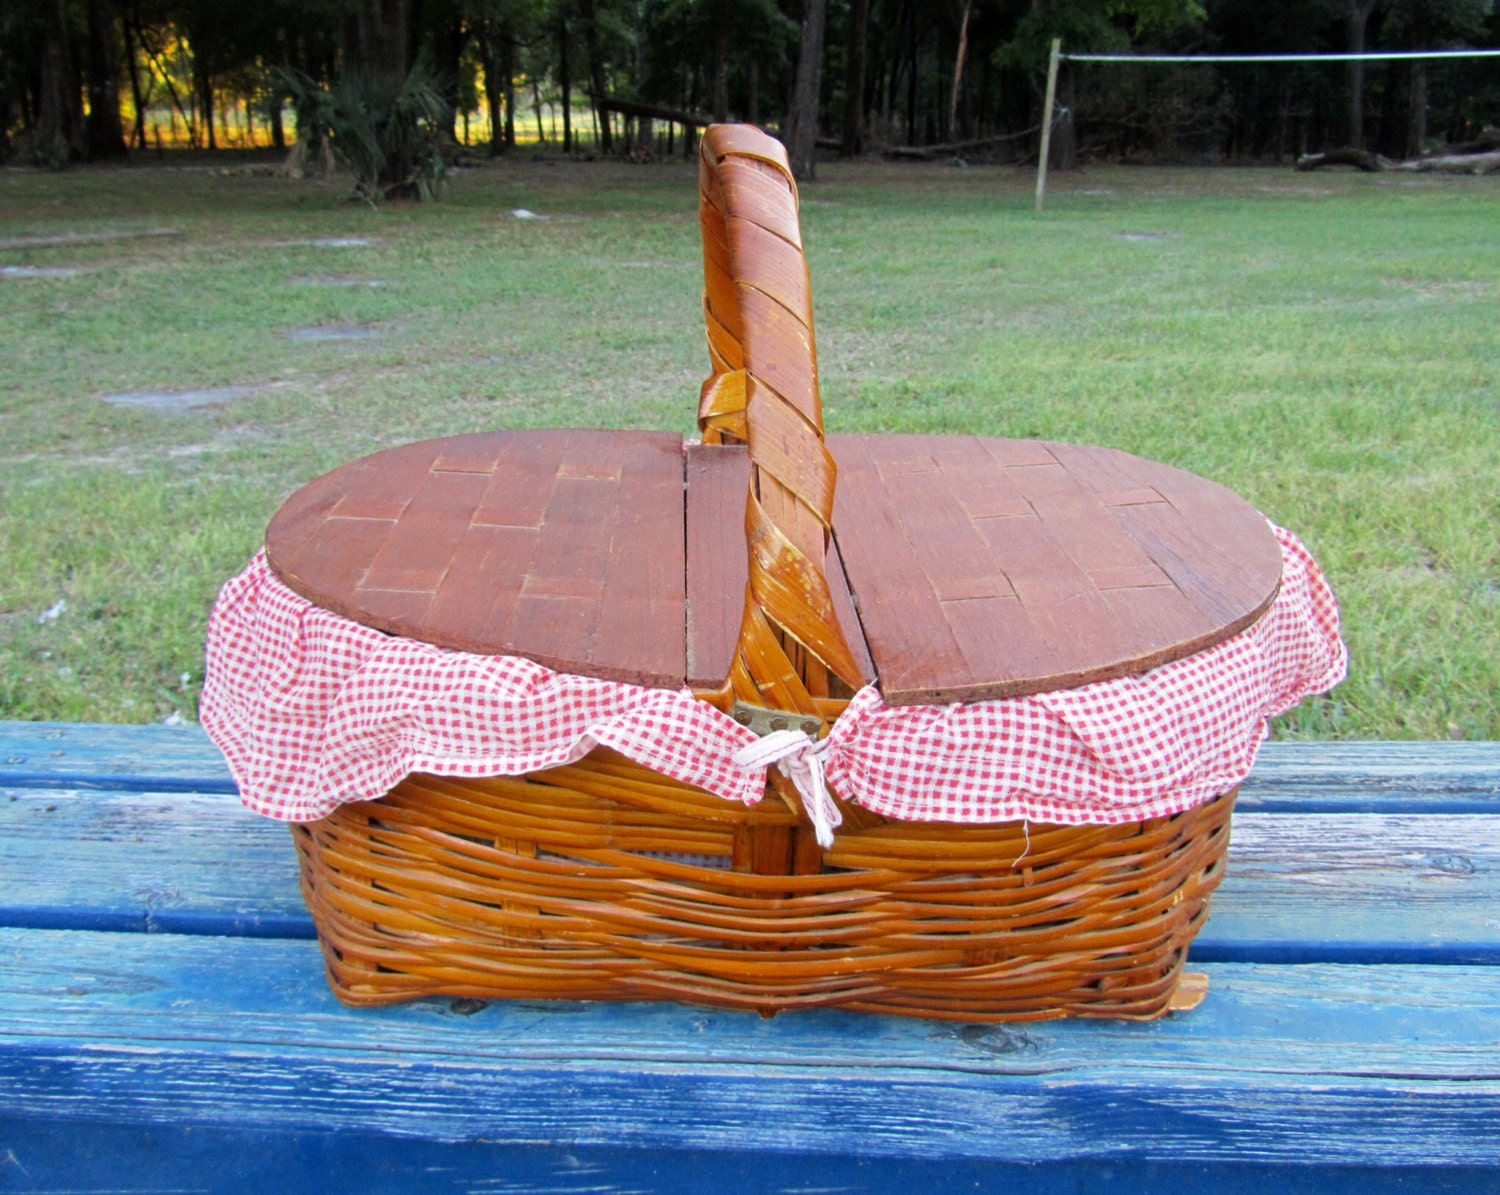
{"x": 605, "y": 881}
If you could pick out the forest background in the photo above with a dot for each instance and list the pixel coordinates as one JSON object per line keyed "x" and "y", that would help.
{"x": 91, "y": 79}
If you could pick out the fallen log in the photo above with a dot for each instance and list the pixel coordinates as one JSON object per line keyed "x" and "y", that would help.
{"x": 955, "y": 148}
{"x": 1484, "y": 163}
{"x": 1488, "y": 142}
{"x": 697, "y": 120}
{"x": 1361, "y": 159}
{"x": 1475, "y": 157}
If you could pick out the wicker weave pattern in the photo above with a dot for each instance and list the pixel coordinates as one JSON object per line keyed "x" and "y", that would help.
{"x": 603, "y": 880}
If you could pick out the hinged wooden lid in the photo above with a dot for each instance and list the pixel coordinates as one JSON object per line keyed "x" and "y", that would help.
{"x": 980, "y": 568}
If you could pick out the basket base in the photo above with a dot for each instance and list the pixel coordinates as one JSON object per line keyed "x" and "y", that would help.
{"x": 605, "y": 881}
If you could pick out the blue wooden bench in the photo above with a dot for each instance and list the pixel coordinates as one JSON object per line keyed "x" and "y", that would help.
{"x": 164, "y": 1023}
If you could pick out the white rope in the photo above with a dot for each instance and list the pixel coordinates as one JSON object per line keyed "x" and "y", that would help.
{"x": 800, "y": 758}
{"x": 1378, "y": 56}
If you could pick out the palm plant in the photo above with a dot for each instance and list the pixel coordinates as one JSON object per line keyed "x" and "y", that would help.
{"x": 385, "y": 132}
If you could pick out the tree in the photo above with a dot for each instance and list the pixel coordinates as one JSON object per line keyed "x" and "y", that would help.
{"x": 801, "y": 127}
{"x": 442, "y": 33}
{"x": 854, "y": 78}
{"x": 387, "y": 135}
{"x": 104, "y": 136}
{"x": 1430, "y": 25}
{"x": 1357, "y": 19}
{"x": 57, "y": 135}
{"x": 594, "y": 41}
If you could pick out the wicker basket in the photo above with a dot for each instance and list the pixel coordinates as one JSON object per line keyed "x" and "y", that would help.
{"x": 605, "y": 881}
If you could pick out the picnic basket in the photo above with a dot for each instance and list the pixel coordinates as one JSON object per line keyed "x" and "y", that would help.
{"x": 605, "y": 880}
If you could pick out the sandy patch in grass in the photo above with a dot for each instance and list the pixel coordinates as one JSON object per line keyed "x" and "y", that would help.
{"x": 39, "y": 272}
{"x": 183, "y": 400}
{"x": 326, "y": 333}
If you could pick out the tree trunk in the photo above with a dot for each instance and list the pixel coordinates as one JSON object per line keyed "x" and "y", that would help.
{"x": 596, "y": 74}
{"x": 1363, "y": 159}
{"x": 508, "y": 84}
{"x": 1357, "y": 13}
{"x": 911, "y": 73}
{"x": 375, "y": 39}
{"x": 1416, "y": 110}
{"x": 375, "y": 42}
{"x": 958, "y": 68}
{"x": 203, "y": 85}
{"x": 447, "y": 42}
{"x": 854, "y": 81}
{"x": 721, "y": 65}
{"x": 565, "y": 80}
{"x": 59, "y": 120}
{"x": 801, "y": 133}
{"x": 1488, "y": 163}
{"x": 493, "y": 90}
{"x": 105, "y": 136}
{"x": 136, "y": 97}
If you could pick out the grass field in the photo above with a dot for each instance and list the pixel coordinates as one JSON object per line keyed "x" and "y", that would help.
{"x": 1327, "y": 345}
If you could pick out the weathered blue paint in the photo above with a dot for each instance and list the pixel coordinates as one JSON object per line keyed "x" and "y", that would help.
{"x": 1350, "y": 1041}
{"x": 1404, "y": 887}
{"x": 171, "y": 1160}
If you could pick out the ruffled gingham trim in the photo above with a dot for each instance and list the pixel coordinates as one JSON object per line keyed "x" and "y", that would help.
{"x": 313, "y": 710}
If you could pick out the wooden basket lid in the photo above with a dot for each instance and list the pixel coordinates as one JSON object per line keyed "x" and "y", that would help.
{"x": 976, "y": 568}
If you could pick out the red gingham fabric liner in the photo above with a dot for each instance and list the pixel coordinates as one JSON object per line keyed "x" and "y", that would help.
{"x": 313, "y": 710}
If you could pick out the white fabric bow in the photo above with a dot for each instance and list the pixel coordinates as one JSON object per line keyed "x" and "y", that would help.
{"x": 800, "y": 758}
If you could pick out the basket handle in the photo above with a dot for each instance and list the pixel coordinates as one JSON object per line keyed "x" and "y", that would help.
{"x": 764, "y": 392}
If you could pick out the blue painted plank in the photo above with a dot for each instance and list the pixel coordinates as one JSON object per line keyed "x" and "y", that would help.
{"x": 1300, "y": 1065}
{"x": 1374, "y": 777}
{"x": 1344, "y": 887}
{"x": 1301, "y": 888}
{"x": 142, "y": 861}
{"x": 89, "y": 1160}
{"x": 121, "y": 758}
{"x": 1358, "y": 887}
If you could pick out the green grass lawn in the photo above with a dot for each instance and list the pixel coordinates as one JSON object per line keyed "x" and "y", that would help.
{"x": 1325, "y": 344}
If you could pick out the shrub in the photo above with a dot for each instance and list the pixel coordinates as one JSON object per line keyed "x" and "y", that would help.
{"x": 386, "y": 133}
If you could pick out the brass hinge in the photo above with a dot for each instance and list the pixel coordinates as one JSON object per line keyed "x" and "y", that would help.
{"x": 761, "y": 721}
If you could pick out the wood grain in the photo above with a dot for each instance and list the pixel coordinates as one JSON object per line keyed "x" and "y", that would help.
{"x": 1310, "y": 1068}
{"x": 565, "y": 547}
{"x": 718, "y": 567}
{"x": 992, "y": 568}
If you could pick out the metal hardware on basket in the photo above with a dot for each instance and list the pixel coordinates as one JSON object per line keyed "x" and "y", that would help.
{"x": 761, "y": 721}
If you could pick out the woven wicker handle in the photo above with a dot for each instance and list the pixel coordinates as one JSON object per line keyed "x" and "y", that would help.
{"x": 764, "y": 392}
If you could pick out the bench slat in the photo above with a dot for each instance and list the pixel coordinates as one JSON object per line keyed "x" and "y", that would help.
{"x": 1306, "y": 1065}
{"x": 1371, "y": 887}
{"x": 86, "y": 755}
{"x": 1375, "y": 777}
{"x": 101, "y": 849}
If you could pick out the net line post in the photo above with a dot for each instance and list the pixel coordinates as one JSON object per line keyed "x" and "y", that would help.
{"x": 1041, "y": 165}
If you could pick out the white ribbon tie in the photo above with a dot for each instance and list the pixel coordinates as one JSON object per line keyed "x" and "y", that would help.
{"x": 800, "y": 758}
